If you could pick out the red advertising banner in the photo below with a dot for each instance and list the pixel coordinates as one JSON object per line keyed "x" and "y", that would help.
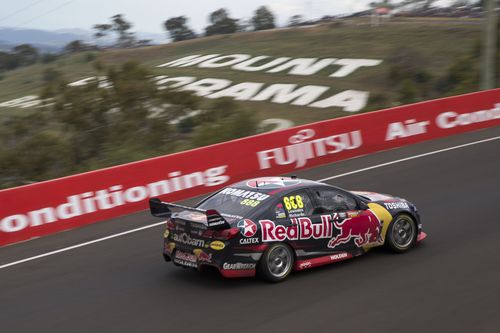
{"x": 61, "y": 204}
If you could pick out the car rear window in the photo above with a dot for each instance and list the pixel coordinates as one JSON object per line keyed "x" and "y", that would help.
{"x": 234, "y": 201}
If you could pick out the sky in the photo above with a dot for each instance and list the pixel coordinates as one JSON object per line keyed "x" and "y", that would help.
{"x": 149, "y": 15}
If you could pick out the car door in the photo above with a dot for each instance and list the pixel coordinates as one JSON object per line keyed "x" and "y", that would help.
{"x": 286, "y": 217}
{"x": 354, "y": 228}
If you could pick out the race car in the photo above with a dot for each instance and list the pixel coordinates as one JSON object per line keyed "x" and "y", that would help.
{"x": 272, "y": 226}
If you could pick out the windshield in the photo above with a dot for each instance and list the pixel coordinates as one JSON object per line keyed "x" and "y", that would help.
{"x": 234, "y": 201}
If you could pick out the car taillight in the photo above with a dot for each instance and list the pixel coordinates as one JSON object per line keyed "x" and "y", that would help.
{"x": 224, "y": 234}
{"x": 170, "y": 225}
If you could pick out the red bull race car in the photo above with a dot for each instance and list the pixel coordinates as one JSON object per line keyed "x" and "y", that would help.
{"x": 272, "y": 226}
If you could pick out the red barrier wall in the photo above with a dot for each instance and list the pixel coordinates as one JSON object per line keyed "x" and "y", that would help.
{"x": 51, "y": 206}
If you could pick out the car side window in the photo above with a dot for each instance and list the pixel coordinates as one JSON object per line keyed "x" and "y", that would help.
{"x": 295, "y": 204}
{"x": 331, "y": 200}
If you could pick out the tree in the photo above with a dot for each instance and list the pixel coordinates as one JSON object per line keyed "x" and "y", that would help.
{"x": 122, "y": 27}
{"x": 49, "y": 57}
{"x": 178, "y": 30}
{"x": 222, "y": 121}
{"x": 102, "y": 30}
{"x": 295, "y": 20}
{"x": 143, "y": 42}
{"x": 51, "y": 75}
{"x": 263, "y": 19}
{"x": 27, "y": 54}
{"x": 75, "y": 47}
{"x": 221, "y": 23}
{"x": 244, "y": 25}
{"x": 8, "y": 61}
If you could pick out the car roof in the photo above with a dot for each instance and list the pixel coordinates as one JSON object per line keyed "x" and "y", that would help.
{"x": 274, "y": 185}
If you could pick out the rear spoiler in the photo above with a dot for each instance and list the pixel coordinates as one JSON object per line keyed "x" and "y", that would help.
{"x": 214, "y": 219}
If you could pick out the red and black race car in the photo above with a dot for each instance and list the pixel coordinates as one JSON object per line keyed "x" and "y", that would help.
{"x": 271, "y": 226}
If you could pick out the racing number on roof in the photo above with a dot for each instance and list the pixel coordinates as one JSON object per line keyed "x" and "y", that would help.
{"x": 250, "y": 202}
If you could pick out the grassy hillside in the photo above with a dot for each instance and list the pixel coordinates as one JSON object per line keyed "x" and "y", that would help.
{"x": 429, "y": 45}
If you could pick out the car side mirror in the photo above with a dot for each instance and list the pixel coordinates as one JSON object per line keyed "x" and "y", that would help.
{"x": 341, "y": 208}
{"x": 362, "y": 205}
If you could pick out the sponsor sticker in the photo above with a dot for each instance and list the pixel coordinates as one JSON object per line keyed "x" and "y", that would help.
{"x": 305, "y": 264}
{"x": 185, "y": 256}
{"x": 244, "y": 194}
{"x": 280, "y": 211}
{"x": 246, "y": 241}
{"x": 202, "y": 256}
{"x": 188, "y": 240}
{"x": 338, "y": 256}
{"x": 166, "y": 233}
{"x": 363, "y": 230}
{"x": 396, "y": 205}
{"x": 250, "y": 202}
{"x": 214, "y": 218}
{"x": 352, "y": 214}
{"x": 238, "y": 265}
{"x": 302, "y": 228}
{"x": 297, "y": 213}
{"x": 169, "y": 247}
{"x": 247, "y": 227}
{"x": 217, "y": 245}
{"x": 185, "y": 259}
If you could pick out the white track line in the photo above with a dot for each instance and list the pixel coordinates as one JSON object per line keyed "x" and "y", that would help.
{"x": 320, "y": 180}
{"x": 81, "y": 245}
{"x": 410, "y": 158}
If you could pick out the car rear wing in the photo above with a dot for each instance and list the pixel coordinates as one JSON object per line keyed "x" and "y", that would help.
{"x": 211, "y": 217}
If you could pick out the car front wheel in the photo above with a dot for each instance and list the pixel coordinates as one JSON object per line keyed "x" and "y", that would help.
{"x": 402, "y": 234}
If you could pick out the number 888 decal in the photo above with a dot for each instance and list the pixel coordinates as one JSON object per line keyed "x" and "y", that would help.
{"x": 293, "y": 202}
{"x": 249, "y": 202}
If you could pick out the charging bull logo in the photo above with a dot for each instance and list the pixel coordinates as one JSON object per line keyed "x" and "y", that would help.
{"x": 364, "y": 230}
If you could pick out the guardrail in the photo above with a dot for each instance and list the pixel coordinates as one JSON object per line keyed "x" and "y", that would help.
{"x": 65, "y": 203}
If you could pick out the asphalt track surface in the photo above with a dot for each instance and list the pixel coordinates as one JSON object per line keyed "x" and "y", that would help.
{"x": 449, "y": 283}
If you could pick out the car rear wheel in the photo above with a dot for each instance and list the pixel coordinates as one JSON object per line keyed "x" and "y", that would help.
{"x": 276, "y": 263}
{"x": 401, "y": 234}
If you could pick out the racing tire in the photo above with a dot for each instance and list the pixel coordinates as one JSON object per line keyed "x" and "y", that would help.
{"x": 401, "y": 234}
{"x": 276, "y": 263}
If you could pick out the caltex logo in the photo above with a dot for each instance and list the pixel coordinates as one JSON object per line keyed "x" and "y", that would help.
{"x": 247, "y": 228}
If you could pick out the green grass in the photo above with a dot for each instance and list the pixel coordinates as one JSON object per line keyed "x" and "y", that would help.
{"x": 433, "y": 45}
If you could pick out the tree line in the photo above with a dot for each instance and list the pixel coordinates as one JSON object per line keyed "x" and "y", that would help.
{"x": 220, "y": 23}
{"x": 23, "y": 55}
{"x": 86, "y": 128}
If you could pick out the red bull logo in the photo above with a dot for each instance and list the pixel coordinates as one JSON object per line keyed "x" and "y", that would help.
{"x": 302, "y": 228}
{"x": 202, "y": 256}
{"x": 364, "y": 230}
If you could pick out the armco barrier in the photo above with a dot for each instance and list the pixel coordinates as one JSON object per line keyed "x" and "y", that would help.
{"x": 47, "y": 207}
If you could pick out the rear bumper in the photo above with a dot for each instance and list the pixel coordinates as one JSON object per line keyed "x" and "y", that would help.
{"x": 237, "y": 273}
{"x": 228, "y": 265}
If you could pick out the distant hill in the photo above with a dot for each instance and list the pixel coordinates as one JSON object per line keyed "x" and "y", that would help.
{"x": 45, "y": 40}
{"x": 53, "y": 41}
